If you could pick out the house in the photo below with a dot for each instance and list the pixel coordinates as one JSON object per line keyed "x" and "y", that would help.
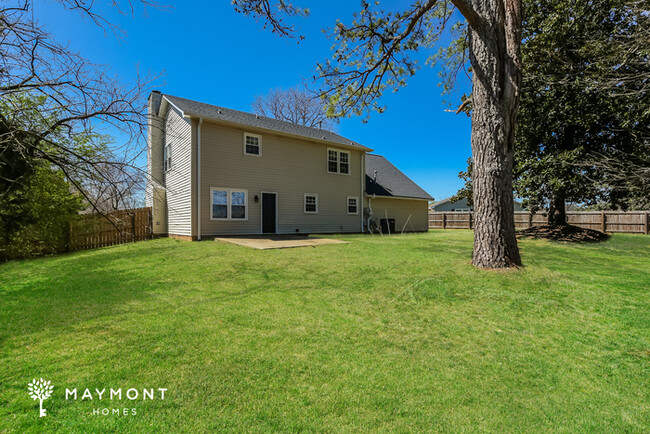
{"x": 216, "y": 171}
{"x": 461, "y": 205}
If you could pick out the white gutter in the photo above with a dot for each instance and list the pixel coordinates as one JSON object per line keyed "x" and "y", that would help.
{"x": 198, "y": 179}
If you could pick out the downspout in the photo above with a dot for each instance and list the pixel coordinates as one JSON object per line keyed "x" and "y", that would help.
{"x": 370, "y": 213}
{"x": 198, "y": 178}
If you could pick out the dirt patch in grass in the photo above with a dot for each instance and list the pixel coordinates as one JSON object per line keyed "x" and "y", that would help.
{"x": 563, "y": 233}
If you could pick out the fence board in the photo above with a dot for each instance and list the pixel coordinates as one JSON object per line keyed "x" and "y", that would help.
{"x": 92, "y": 230}
{"x": 631, "y": 222}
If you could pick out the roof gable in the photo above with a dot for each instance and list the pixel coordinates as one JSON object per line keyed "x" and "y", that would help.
{"x": 384, "y": 179}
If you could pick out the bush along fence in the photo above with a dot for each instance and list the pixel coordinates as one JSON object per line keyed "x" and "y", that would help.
{"x": 631, "y": 222}
{"x": 93, "y": 230}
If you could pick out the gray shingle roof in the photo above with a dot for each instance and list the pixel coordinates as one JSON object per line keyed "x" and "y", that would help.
{"x": 213, "y": 112}
{"x": 390, "y": 181}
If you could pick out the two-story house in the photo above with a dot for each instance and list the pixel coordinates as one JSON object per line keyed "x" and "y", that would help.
{"x": 215, "y": 171}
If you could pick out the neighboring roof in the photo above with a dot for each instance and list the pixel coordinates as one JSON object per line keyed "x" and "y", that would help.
{"x": 390, "y": 181}
{"x": 443, "y": 201}
{"x": 216, "y": 113}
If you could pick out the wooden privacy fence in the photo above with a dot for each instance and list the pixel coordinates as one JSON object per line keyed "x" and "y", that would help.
{"x": 631, "y": 222}
{"x": 94, "y": 230}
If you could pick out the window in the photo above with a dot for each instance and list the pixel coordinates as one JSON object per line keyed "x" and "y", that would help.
{"x": 338, "y": 161}
{"x": 332, "y": 161}
{"x": 229, "y": 204}
{"x": 167, "y": 156}
{"x": 344, "y": 162}
{"x": 252, "y": 144}
{"x": 311, "y": 203}
{"x": 353, "y": 205}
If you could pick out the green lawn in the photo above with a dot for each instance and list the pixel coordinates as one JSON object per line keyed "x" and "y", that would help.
{"x": 390, "y": 334}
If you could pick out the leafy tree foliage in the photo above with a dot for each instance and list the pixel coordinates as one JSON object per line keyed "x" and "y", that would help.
{"x": 584, "y": 104}
{"x": 37, "y": 199}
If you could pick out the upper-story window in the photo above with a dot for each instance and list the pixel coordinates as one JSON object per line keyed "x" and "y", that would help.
{"x": 252, "y": 144}
{"x": 167, "y": 156}
{"x": 338, "y": 161}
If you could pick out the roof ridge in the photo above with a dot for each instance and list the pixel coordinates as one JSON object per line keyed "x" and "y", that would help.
{"x": 256, "y": 115}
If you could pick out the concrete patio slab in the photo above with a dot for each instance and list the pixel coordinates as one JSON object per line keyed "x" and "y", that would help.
{"x": 265, "y": 242}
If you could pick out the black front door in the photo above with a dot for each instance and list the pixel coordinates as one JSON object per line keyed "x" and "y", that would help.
{"x": 268, "y": 212}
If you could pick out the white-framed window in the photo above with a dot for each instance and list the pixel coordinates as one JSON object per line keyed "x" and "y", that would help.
{"x": 338, "y": 161}
{"x": 311, "y": 203}
{"x": 353, "y": 205}
{"x": 252, "y": 144}
{"x": 228, "y": 204}
{"x": 167, "y": 156}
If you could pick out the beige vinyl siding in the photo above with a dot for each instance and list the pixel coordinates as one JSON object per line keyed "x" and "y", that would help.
{"x": 400, "y": 209}
{"x": 289, "y": 167}
{"x": 178, "y": 180}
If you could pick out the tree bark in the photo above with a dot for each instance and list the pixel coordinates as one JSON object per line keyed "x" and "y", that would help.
{"x": 495, "y": 57}
{"x": 557, "y": 210}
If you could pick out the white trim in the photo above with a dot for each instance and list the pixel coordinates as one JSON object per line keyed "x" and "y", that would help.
{"x": 347, "y": 205}
{"x": 338, "y": 161}
{"x": 304, "y": 203}
{"x": 175, "y": 106}
{"x": 277, "y": 200}
{"x": 259, "y": 140}
{"x": 229, "y": 192}
{"x": 198, "y": 180}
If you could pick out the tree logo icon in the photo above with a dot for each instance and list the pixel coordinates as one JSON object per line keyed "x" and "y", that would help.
{"x": 41, "y": 390}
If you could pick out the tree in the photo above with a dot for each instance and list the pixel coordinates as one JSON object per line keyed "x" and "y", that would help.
{"x": 466, "y": 191}
{"x": 294, "y": 105}
{"x": 74, "y": 98}
{"x": 37, "y": 202}
{"x": 583, "y": 112}
{"x": 375, "y": 53}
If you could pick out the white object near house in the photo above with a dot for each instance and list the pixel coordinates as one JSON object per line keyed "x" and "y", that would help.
{"x": 215, "y": 171}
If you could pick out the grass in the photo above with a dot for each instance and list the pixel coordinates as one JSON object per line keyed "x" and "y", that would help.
{"x": 382, "y": 334}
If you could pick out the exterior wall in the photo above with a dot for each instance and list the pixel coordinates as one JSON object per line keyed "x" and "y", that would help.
{"x": 289, "y": 167}
{"x": 461, "y": 205}
{"x": 178, "y": 179}
{"x": 400, "y": 210}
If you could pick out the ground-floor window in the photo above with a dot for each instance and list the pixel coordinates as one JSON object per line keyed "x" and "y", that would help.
{"x": 311, "y": 203}
{"x": 228, "y": 204}
{"x": 353, "y": 205}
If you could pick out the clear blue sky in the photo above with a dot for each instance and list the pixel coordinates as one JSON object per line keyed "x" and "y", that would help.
{"x": 207, "y": 52}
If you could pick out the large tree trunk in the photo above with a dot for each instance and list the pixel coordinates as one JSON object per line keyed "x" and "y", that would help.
{"x": 495, "y": 56}
{"x": 557, "y": 210}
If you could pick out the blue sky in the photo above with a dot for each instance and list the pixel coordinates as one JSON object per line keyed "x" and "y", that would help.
{"x": 207, "y": 52}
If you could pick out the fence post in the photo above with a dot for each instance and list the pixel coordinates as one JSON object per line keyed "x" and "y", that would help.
{"x": 470, "y": 219}
{"x": 444, "y": 220}
{"x": 646, "y": 225}
{"x": 133, "y": 225}
{"x": 603, "y": 222}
